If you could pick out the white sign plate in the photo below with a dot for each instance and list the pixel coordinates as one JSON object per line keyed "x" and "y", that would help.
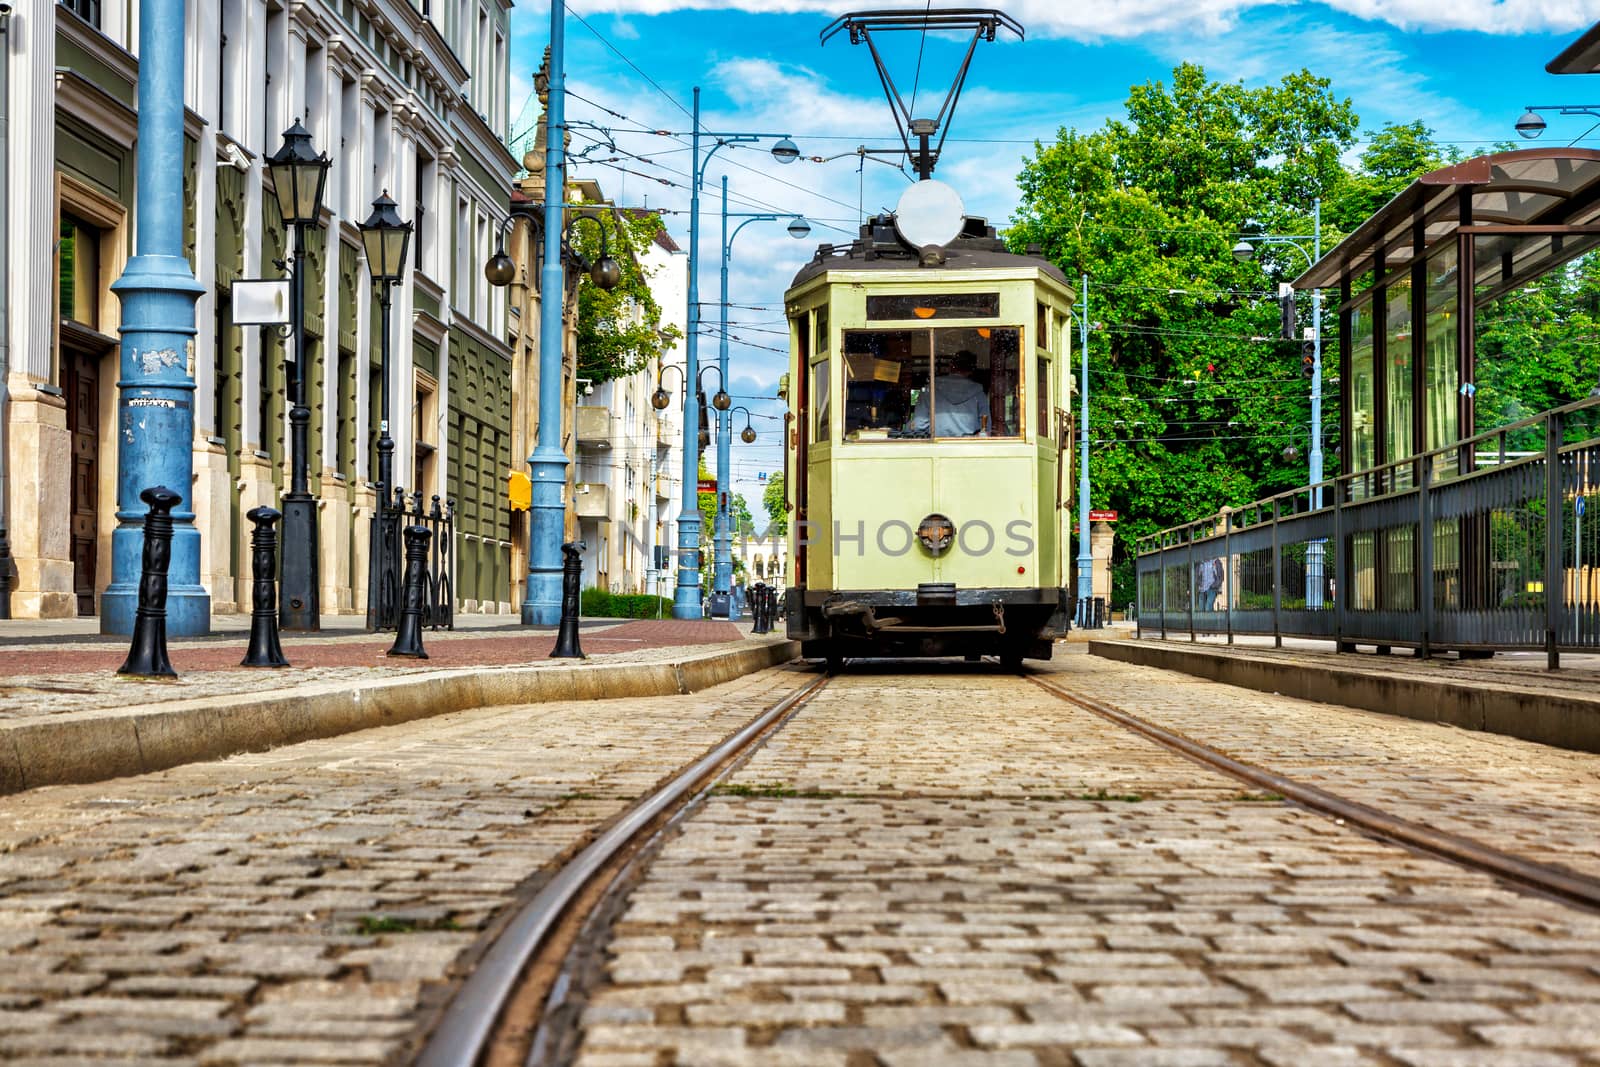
{"x": 261, "y": 302}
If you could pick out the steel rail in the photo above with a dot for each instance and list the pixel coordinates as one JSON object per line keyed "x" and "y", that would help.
{"x": 467, "y": 1026}
{"x": 1568, "y": 886}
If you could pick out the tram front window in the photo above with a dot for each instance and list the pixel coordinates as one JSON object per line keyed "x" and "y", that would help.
{"x": 932, "y": 383}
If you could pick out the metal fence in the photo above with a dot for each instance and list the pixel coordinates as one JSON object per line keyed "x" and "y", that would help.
{"x": 438, "y": 600}
{"x": 1454, "y": 549}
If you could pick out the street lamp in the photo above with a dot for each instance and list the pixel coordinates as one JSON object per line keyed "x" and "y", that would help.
{"x": 1530, "y": 124}
{"x": 298, "y": 175}
{"x": 605, "y": 271}
{"x": 660, "y": 399}
{"x": 686, "y": 597}
{"x": 541, "y": 599}
{"x": 385, "y": 238}
{"x": 1243, "y": 252}
{"x": 722, "y": 573}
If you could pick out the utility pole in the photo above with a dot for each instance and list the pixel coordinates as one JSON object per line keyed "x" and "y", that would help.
{"x": 1085, "y": 556}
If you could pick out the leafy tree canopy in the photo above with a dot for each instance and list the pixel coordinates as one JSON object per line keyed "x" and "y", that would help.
{"x": 619, "y": 331}
{"x": 1194, "y": 401}
{"x": 772, "y": 502}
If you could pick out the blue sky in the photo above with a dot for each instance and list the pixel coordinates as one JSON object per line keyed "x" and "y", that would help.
{"x": 1465, "y": 67}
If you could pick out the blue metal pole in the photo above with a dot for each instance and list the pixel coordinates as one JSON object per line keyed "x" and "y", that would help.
{"x": 155, "y": 409}
{"x": 541, "y": 603}
{"x": 723, "y": 575}
{"x": 1085, "y": 556}
{"x": 686, "y": 598}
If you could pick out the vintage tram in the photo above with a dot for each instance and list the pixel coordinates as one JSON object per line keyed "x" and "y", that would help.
{"x": 926, "y": 444}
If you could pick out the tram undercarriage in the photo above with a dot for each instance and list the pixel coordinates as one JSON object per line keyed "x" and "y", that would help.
{"x": 932, "y": 620}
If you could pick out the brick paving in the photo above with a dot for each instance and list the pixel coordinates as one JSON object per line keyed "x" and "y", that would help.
{"x": 297, "y": 906}
{"x": 959, "y": 869}
{"x": 47, "y": 678}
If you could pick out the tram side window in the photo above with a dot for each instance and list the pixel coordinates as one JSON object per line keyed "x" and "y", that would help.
{"x": 819, "y": 398}
{"x": 942, "y": 383}
{"x": 1045, "y": 431}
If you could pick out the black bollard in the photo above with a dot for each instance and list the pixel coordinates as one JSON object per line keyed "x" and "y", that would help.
{"x": 408, "y": 636}
{"x": 147, "y": 657}
{"x": 571, "y": 576}
{"x": 264, "y": 650}
{"x": 758, "y": 607}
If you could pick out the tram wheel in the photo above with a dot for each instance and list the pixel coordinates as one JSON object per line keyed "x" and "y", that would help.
{"x": 835, "y": 659}
{"x": 1011, "y": 659}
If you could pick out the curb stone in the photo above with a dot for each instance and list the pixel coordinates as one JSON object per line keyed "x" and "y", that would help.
{"x": 93, "y": 746}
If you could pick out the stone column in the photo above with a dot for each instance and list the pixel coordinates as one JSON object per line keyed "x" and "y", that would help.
{"x": 1101, "y": 539}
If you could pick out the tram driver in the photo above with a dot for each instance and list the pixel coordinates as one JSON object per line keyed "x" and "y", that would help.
{"x": 960, "y": 402}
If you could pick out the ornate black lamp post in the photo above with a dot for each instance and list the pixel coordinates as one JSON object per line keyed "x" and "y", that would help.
{"x": 386, "y": 239}
{"x": 298, "y": 175}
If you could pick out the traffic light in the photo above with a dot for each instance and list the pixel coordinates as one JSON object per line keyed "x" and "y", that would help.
{"x": 1308, "y": 359}
{"x": 1286, "y": 311}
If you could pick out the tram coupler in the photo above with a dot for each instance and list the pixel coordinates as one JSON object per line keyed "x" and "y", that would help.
{"x": 571, "y": 605}
{"x": 264, "y": 650}
{"x": 408, "y": 636}
{"x": 147, "y": 655}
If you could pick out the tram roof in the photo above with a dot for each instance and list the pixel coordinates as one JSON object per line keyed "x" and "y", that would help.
{"x": 1530, "y": 210}
{"x": 879, "y": 249}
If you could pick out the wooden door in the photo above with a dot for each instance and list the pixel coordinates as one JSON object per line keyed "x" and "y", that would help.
{"x": 83, "y": 428}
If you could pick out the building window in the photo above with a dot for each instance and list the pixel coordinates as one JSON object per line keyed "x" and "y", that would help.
{"x": 80, "y": 272}
{"x": 88, "y": 10}
{"x": 425, "y": 433}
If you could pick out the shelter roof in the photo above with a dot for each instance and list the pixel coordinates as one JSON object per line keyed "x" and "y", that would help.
{"x": 1523, "y": 207}
{"x": 1580, "y": 57}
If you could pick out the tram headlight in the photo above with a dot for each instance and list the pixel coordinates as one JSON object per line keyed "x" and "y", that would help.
{"x": 936, "y": 532}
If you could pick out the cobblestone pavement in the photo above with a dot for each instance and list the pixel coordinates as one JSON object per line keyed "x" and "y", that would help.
{"x": 957, "y": 868}
{"x": 41, "y": 680}
{"x": 298, "y": 906}
{"x": 1536, "y": 801}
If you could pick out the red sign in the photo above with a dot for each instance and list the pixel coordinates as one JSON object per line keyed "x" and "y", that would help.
{"x": 708, "y": 485}
{"x": 1102, "y": 516}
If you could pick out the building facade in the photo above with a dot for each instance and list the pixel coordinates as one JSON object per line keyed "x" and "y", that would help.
{"x": 626, "y": 492}
{"x": 405, "y": 96}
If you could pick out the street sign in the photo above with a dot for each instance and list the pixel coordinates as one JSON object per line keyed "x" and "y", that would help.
{"x": 1102, "y": 516}
{"x": 708, "y": 485}
{"x": 1578, "y": 506}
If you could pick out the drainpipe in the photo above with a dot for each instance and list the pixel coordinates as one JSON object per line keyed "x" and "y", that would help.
{"x": 5, "y": 288}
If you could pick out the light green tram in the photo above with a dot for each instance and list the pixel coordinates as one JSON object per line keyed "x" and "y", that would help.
{"x": 926, "y": 449}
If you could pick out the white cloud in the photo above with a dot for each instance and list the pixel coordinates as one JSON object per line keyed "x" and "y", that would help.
{"x": 1390, "y": 88}
{"x": 1133, "y": 18}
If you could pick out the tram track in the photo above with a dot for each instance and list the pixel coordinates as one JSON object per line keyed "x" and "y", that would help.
{"x": 497, "y": 1015}
{"x": 1567, "y": 886}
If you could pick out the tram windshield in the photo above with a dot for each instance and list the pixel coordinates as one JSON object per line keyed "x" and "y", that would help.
{"x": 932, "y": 383}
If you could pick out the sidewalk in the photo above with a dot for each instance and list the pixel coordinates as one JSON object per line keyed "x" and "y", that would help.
{"x": 67, "y": 716}
{"x": 74, "y": 672}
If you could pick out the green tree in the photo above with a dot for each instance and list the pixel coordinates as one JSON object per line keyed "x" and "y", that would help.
{"x": 619, "y": 331}
{"x": 772, "y": 502}
{"x": 1192, "y": 398}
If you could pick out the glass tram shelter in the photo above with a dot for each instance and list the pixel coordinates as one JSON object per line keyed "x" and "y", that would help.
{"x": 1410, "y": 281}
